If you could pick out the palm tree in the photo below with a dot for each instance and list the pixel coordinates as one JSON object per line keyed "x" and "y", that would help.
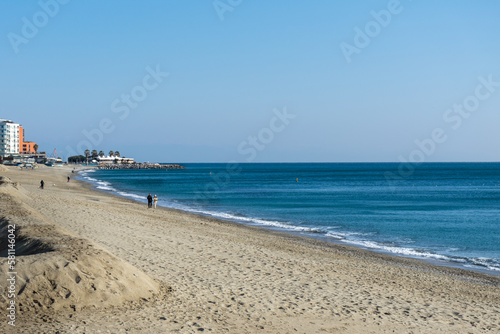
{"x": 111, "y": 153}
{"x": 35, "y": 147}
{"x": 101, "y": 154}
{"x": 87, "y": 154}
{"x": 117, "y": 154}
{"x": 94, "y": 154}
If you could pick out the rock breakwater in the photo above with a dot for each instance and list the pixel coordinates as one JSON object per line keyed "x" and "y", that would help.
{"x": 144, "y": 165}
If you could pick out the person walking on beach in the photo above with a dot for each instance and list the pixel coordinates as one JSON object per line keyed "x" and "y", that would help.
{"x": 41, "y": 184}
{"x": 68, "y": 178}
{"x": 150, "y": 201}
{"x": 155, "y": 199}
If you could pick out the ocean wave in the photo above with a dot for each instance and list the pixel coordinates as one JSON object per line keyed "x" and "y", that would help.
{"x": 133, "y": 196}
{"x": 249, "y": 220}
{"x": 88, "y": 171}
{"x": 106, "y": 186}
{"x": 469, "y": 262}
{"x": 491, "y": 264}
{"x": 343, "y": 235}
{"x": 103, "y": 185}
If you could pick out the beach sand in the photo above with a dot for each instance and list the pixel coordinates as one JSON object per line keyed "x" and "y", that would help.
{"x": 97, "y": 263}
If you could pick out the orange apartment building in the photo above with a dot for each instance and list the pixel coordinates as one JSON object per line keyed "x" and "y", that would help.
{"x": 25, "y": 147}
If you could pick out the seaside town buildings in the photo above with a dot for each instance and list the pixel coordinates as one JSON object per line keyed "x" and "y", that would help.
{"x": 25, "y": 147}
{"x": 9, "y": 138}
{"x": 14, "y": 147}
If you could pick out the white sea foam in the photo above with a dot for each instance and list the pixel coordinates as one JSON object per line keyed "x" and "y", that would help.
{"x": 255, "y": 221}
{"x": 473, "y": 263}
{"x": 133, "y": 196}
{"x": 485, "y": 262}
{"x": 103, "y": 185}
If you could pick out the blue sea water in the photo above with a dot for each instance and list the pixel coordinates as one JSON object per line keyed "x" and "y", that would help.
{"x": 446, "y": 212}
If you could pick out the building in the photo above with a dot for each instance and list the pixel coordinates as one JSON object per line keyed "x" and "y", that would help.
{"x": 9, "y": 138}
{"x": 110, "y": 160}
{"x": 25, "y": 147}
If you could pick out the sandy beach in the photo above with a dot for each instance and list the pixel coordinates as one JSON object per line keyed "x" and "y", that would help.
{"x": 90, "y": 262}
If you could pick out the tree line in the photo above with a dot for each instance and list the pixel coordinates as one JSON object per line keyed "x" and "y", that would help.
{"x": 89, "y": 155}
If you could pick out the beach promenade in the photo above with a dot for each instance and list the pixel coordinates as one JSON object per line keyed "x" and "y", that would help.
{"x": 91, "y": 262}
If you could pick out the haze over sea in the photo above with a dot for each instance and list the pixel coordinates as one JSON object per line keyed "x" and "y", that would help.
{"x": 445, "y": 212}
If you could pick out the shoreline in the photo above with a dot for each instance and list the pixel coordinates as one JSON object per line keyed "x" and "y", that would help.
{"x": 311, "y": 235}
{"x": 310, "y": 240}
{"x": 229, "y": 277}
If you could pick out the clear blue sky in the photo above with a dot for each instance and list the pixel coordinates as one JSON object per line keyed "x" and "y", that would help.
{"x": 227, "y": 76}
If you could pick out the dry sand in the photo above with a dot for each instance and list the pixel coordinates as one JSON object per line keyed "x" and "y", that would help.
{"x": 95, "y": 263}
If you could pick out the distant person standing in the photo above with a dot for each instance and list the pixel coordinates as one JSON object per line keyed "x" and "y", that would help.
{"x": 68, "y": 178}
{"x": 155, "y": 199}
{"x": 41, "y": 184}
{"x": 150, "y": 201}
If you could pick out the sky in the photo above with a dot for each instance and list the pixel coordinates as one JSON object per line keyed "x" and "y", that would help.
{"x": 255, "y": 81}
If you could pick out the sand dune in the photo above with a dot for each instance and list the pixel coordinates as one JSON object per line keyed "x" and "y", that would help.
{"x": 225, "y": 278}
{"x": 59, "y": 271}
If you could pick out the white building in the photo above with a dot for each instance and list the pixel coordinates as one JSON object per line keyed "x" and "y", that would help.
{"x": 9, "y": 138}
{"x": 110, "y": 160}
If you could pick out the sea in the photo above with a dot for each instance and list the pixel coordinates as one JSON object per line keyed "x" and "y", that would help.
{"x": 445, "y": 213}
